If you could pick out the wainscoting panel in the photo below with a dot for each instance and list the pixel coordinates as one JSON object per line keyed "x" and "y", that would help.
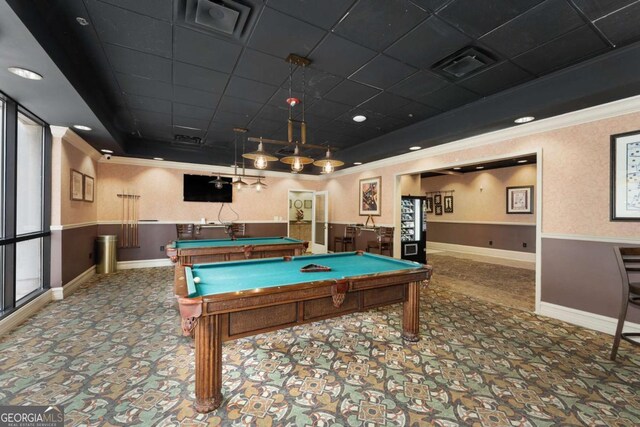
{"x": 503, "y": 236}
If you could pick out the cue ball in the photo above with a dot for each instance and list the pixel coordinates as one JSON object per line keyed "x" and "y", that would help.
{"x": 196, "y": 280}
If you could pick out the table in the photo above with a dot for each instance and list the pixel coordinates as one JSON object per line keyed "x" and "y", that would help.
{"x": 235, "y": 299}
{"x": 183, "y": 252}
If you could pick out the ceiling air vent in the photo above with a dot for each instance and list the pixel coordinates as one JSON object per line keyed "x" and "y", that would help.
{"x": 187, "y": 140}
{"x": 227, "y": 17}
{"x": 464, "y": 63}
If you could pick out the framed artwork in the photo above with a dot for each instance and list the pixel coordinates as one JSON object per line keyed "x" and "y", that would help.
{"x": 370, "y": 196}
{"x": 520, "y": 199}
{"x": 307, "y": 204}
{"x": 77, "y": 190}
{"x": 297, "y": 204}
{"x": 88, "y": 188}
{"x": 448, "y": 204}
{"x": 438, "y": 209}
{"x": 428, "y": 205}
{"x": 437, "y": 199}
{"x": 625, "y": 177}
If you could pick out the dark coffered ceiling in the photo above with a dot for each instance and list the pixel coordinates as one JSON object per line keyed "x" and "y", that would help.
{"x": 160, "y": 83}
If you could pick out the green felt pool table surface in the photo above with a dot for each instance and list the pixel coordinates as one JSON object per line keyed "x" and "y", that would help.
{"x": 234, "y": 276}
{"x": 183, "y": 244}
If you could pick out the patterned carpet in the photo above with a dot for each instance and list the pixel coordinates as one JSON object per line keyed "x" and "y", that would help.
{"x": 112, "y": 355}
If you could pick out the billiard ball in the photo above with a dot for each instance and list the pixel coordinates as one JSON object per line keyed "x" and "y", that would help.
{"x": 196, "y": 280}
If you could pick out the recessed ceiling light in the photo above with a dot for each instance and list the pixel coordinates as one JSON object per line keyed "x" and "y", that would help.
{"x": 158, "y": 158}
{"x": 457, "y": 168}
{"x": 82, "y": 21}
{"x": 479, "y": 167}
{"x": 24, "y": 73}
{"x": 523, "y": 161}
{"x": 357, "y": 163}
{"x": 104, "y": 150}
{"x": 82, "y": 127}
{"x": 525, "y": 119}
{"x": 359, "y": 118}
{"x": 414, "y": 148}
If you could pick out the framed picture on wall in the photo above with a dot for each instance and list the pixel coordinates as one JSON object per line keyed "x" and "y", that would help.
{"x": 520, "y": 199}
{"x": 370, "y": 196}
{"x": 428, "y": 205}
{"x": 88, "y": 188}
{"x": 307, "y": 204}
{"x": 438, "y": 209}
{"x": 437, "y": 199}
{"x": 448, "y": 204}
{"x": 77, "y": 191}
{"x": 625, "y": 177}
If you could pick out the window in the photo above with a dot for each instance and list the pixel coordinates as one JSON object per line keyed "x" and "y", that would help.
{"x": 29, "y": 176}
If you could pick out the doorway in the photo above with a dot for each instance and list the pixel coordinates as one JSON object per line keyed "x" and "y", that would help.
{"x": 308, "y": 218}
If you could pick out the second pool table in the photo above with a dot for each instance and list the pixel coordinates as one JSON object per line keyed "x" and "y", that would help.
{"x": 182, "y": 252}
{"x": 229, "y": 300}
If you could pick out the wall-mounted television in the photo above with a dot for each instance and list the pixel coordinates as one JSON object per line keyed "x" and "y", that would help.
{"x": 198, "y": 189}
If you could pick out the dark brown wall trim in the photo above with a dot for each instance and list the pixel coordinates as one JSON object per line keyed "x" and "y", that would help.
{"x": 583, "y": 275}
{"x": 502, "y": 236}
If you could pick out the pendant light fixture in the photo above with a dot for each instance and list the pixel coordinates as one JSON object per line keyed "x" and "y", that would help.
{"x": 218, "y": 183}
{"x": 259, "y": 185}
{"x": 260, "y": 157}
{"x": 238, "y": 182}
{"x": 296, "y": 161}
{"x": 328, "y": 164}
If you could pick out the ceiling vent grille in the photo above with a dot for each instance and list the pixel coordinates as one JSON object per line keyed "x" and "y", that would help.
{"x": 226, "y": 17}
{"x": 464, "y": 63}
{"x": 187, "y": 140}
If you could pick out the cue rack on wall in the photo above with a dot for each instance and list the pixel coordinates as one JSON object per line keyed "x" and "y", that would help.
{"x": 129, "y": 225}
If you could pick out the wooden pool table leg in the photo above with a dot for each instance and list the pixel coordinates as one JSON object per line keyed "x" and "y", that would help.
{"x": 411, "y": 313}
{"x": 208, "y": 335}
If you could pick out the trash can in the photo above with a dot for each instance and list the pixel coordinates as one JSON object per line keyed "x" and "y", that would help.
{"x": 106, "y": 261}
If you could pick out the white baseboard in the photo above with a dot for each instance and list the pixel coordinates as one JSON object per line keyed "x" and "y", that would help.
{"x": 23, "y": 313}
{"x": 476, "y": 250}
{"x": 144, "y": 263}
{"x": 585, "y": 319}
{"x": 73, "y": 285}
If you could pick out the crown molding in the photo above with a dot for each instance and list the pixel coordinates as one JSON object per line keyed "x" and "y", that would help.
{"x": 223, "y": 170}
{"x": 75, "y": 140}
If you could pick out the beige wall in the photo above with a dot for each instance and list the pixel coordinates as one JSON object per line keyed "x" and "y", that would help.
{"x": 65, "y": 157}
{"x": 481, "y": 196}
{"x": 161, "y": 196}
{"x": 410, "y": 185}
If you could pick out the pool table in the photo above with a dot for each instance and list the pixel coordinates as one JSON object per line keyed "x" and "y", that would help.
{"x": 183, "y": 252}
{"x": 234, "y": 299}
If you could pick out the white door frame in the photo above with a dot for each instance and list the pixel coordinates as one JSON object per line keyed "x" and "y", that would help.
{"x": 315, "y": 247}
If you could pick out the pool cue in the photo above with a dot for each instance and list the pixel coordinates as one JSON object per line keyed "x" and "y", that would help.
{"x": 122, "y": 221}
{"x": 135, "y": 221}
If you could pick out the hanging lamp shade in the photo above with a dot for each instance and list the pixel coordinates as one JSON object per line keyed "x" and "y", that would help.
{"x": 328, "y": 164}
{"x": 260, "y": 157}
{"x": 296, "y": 161}
{"x": 218, "y": 182}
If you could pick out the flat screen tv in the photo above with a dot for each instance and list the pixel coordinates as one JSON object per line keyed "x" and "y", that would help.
{"x": 198, "y": 189}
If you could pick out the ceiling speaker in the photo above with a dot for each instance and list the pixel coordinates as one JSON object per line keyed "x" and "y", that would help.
{"x": 464, "y": 63}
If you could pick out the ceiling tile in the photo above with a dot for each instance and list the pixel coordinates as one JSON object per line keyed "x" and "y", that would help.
{"x": 238, "y": 106}
{"x": 261, "y": 67}
{"x": 199, "y": 78}
{"x": 192, "y": 111}
{"x": 383, "y": 72}
{"x": 596, "y": 9}
{"x": 351, "y": 93}
{"x": 231, "y": 120}
{"x": 385, "y": 103}
{"x": 340, "y": 56}
{"x": 160, "y": 9}
{"x": 207, "y": 51}
{"x": 541, "y": 24}
{"x": 621, "y": 27}
{"x": 145, "y": 87}
{"x": 450, "y": 97}
{"x": 151, "y": 117}
{"x": 119, "y": 26}
{"x": 478, "y": 17}
{"x": 443, "y": 41}
{"x": 187, "y": 95}
{"x": 260, "y": 126}
{"x": 431, "y": 5}
{"x": 128, "y": 61}
{"x": 496, "y": 78}
{"x": 324, "y": 14}
{"x": 418, "y": 85}
{"x": 565, "y": 50}
{"x": 314, "y": 82}
{"x": 414, "y": 112}
{"x": 189, "y": 123}
{"x": 149, "y": 104}
{"x": 280, "y": 35}
{"x": 250, "y": 90}
{"x": 329, "y": 109}
{"x": 275, "y": 112}
{"x": 390, "y": 19}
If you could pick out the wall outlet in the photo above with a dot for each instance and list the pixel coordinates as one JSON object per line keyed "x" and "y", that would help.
{"x": 524, "y": 244}
{"x": 490, "y": 242}
{"x": 162, "y": 248}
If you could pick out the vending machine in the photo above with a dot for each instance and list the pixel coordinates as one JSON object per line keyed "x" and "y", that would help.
{"x": 413, "y": 228}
